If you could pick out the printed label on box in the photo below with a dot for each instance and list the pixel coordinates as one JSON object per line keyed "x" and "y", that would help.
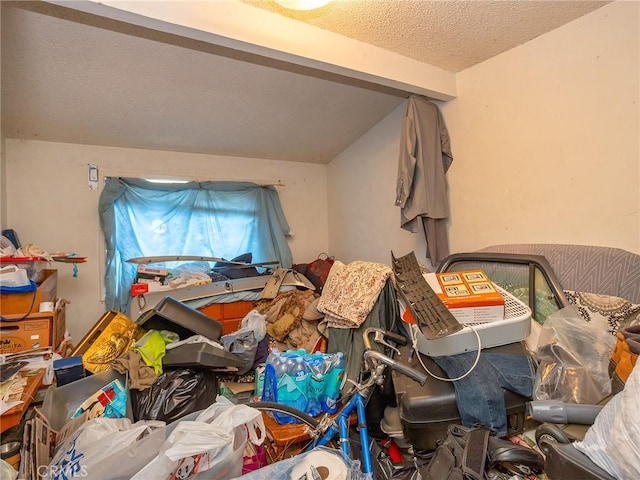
{"x": 470, "y": 295}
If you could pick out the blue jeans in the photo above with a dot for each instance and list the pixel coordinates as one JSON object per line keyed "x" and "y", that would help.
{"x": 480, "y": 395}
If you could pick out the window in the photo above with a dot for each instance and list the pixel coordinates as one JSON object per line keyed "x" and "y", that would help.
{"x": 216, "y": 219}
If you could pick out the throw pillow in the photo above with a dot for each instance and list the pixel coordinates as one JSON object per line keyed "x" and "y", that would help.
{"x": 615, "y": 311}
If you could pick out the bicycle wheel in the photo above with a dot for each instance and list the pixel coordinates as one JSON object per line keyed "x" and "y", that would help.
{"x": 288, "y": 439}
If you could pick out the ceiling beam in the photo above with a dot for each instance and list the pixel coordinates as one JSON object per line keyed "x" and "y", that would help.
{"x": 234, "y": 25}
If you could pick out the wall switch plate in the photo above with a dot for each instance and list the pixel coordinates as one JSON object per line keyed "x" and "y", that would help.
{"x": 93, "y": 176}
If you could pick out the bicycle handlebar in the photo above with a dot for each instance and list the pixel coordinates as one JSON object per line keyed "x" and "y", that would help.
{"x": 399, "y": 339}
{"x": 419, "y": 377}
{"x": 396, "y": 337}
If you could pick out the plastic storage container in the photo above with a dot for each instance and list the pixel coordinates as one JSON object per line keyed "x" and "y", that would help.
{"x": 426, "y": 410}
{"x": 35, "y": 266}
{"x": 173, "y": 315}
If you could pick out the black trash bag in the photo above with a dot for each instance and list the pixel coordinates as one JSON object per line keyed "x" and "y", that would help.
{"x": 174, "y": 394}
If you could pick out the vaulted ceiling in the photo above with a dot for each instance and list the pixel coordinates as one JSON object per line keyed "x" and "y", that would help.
{"x": 298, "y": 86}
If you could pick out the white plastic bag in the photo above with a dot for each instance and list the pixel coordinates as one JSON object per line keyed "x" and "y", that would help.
{"x": 7, "y": 472}
{"x": 255, "y": 322}
{"x": 613, "y": 441}
{"x": 573, "y": 357}
{"x": 101, "y": 444}
{"x": 210, "y": 443}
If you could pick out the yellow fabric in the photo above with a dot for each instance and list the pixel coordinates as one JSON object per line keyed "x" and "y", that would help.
{"x": 153, "y": 346}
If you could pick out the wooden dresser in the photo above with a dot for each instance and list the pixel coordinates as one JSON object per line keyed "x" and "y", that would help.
{"x": 229, "y": 314}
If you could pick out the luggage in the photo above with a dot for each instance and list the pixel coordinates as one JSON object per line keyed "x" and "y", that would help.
{"x": 426, "y": 411}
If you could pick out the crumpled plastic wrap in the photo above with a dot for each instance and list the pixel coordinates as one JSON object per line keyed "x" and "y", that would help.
{"x": 573, "y": 357}
{"x": 7, "y": 471}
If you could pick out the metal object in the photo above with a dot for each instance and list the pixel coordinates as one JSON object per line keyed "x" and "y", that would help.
{"x": 432, "y": 316}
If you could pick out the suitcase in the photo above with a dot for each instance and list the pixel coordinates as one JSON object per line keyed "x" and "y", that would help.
{"x": 426, "y": 411}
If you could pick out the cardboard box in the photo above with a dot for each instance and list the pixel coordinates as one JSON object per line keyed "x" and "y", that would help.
{"x": 60, "y": 324}
{"x": 27, "y": 303}
{"x": 148, "y": 274}
{"x": 152, "y": 271}
{"x": 469, "y": 295}
{"x": 37, "y": 330}
{"x": 33, "y": 266}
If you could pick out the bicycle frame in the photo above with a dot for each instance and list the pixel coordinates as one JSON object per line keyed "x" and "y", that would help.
{"x": 324, "y": 430}
{"x": 356, "y": 402}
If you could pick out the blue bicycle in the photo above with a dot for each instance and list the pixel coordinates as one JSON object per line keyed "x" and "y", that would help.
{"x": 333, "y": 430}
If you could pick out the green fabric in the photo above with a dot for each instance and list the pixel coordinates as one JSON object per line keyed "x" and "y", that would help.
{"x": 384, "y": 315}
{"x": 152, "y": 347}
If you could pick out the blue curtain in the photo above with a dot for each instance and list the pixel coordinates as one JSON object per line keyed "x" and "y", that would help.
{"x": 217, "y": 219}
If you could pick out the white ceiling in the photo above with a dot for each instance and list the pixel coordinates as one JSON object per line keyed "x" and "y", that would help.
{"x": 69, "y": 75}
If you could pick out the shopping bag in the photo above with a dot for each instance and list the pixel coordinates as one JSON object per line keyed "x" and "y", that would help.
{"x": 106, "y": 448}
{"x": 209, "y": 444}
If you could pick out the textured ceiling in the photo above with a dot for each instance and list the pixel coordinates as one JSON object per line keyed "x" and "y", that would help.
{"x": 450, "y": 34}
{"x": 70, "y": 76}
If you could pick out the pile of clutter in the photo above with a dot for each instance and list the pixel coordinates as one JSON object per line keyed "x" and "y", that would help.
{"x": 138, "y": 390}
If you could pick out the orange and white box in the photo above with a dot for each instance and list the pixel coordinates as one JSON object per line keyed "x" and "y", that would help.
{"x": 469, "y": 294}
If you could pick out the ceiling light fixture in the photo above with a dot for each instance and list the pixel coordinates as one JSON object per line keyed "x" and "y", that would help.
{"x": 302, "y": 4}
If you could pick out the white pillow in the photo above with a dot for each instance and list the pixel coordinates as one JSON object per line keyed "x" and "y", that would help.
{"x": 613, "y": 441}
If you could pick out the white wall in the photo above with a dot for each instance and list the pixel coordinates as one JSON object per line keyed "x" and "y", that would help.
{"x": 547, "y": 138}
{"x": 364, "y": 223}
{"x": 50, "y": 204}
{"x": 546, "y": 149}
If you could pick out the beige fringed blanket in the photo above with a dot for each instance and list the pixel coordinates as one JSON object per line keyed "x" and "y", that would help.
{"x": 351, "y": 292}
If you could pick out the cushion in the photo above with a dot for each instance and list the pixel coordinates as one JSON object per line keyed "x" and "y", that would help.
{"x": 615, "y": 311}
{"x": 613, "y": 441}
{"x": 233, "y": 271}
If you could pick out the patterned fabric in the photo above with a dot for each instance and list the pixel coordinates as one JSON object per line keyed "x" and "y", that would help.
{"x": 615, "y": 311}
{"x": 351, "y": 292}
{"x": 284, "y": 313}
{"x": 305, "y": 336}
{"x": 587, "y": 268}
